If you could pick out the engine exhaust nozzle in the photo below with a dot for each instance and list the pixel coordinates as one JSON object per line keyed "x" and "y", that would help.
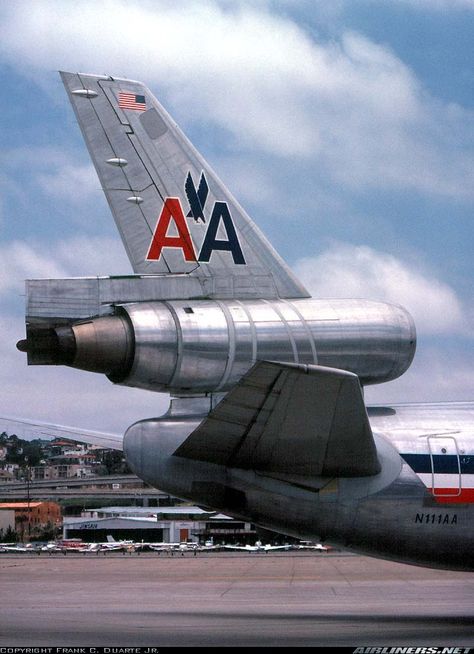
{"x": 104, "y": 344}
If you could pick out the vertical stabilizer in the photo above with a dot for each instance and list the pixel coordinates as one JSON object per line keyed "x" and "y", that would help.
{"x": 173, "y": 213}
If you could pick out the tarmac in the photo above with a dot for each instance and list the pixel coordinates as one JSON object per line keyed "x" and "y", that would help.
{"x": 230, "y": 599}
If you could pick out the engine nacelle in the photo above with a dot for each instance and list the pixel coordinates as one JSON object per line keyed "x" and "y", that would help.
{"x": 205, "y": 346}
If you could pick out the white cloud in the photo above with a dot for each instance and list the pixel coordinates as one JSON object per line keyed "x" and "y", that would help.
{"x": 360, "y": 272}
{"x": 70, "y": 182}
{"x": 52, "y": 170}
{"x": 77, "y": 256}
{"x": 19, "y": 261}
{"x": 83, "y": 255}
{"x": 349, "y": 104}
{"x": 439, "y": 373}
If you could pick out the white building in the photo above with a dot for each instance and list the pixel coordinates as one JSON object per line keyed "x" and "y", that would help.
{"x": 173, "y": 524}
{"x": 7, "y": 520}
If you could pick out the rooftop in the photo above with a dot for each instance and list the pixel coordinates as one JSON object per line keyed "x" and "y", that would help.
{"x": 19, "y": 505}
{"x": 156, "y": 512}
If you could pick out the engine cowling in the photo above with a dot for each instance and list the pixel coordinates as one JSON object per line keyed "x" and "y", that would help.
{"x": 206, "y": 346}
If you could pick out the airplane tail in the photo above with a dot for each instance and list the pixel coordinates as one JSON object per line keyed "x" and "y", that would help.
{"x": 173, "y": 213}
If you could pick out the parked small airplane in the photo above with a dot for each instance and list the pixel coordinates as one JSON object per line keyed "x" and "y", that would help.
{"x": 258, "y": 547}
{"x": 308, "y": 545}
{"x": 174, "y": 547}
{"x": 162, "y": 547}
{"x": 209, "y": 546}
{"x": 15, "y": 547}
{"x": 182, "y": 547}
{"x": 51, "y": 548}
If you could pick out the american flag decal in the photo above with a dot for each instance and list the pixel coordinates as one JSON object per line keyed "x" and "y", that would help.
{"x": 132, "y": 101}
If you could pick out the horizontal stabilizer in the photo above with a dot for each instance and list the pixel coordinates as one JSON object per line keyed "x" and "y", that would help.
{"x": 289, "y": 419}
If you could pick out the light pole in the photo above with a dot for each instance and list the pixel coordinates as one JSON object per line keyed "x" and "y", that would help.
{"x": 28, "y": 470}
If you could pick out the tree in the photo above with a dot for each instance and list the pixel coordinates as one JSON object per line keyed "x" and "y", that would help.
{"x": 21, "y": 451}
{"x": 48, "y": 531}
{"x": 115, "y": 463}
{"x": 9, "y": 536}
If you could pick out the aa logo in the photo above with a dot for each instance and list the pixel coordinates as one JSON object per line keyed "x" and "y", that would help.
{"x": 172, "y": 219}
{"x": 196, "y": 198}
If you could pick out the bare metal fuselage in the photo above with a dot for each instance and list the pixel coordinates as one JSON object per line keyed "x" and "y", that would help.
{"x": 418, "y": 512}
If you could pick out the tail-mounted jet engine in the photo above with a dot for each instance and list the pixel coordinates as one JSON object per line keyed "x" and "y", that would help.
{"x": 205, "y": 346}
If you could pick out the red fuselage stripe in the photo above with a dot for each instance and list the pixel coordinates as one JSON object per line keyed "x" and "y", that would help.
{"x": 452, "y": 495}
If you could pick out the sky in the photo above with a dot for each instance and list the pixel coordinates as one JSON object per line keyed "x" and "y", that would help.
{"x": 345, "y": 129}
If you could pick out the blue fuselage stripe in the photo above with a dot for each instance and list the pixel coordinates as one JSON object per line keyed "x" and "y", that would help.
{"x": 441, "y": 463}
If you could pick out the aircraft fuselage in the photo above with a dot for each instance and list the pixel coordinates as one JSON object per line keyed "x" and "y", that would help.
{"x": 418, "y": 509}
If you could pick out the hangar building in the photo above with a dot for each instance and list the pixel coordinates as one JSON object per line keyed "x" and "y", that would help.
{"x": 171, "y": 524}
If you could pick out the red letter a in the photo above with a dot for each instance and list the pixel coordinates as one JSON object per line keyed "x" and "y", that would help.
{"x": 171, "y": 211}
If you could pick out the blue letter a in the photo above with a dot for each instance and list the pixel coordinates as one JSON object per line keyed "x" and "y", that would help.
{"x": 210, "y": 243}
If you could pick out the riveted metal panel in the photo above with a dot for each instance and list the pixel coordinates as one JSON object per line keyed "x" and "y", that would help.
{"x": 205, "y": 345}
{"x": 156, "y": 345}
{"x": 245, "y": 340}
{"x": 85, "y": 297}
{"x": 273, "y": 340}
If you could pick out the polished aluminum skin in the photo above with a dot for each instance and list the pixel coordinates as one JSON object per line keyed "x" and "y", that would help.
{"x": 206, "y": 346}
{"x": 390, "y": 514}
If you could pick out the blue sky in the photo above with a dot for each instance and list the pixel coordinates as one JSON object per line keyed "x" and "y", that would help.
{"x": 344, "y": 128}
